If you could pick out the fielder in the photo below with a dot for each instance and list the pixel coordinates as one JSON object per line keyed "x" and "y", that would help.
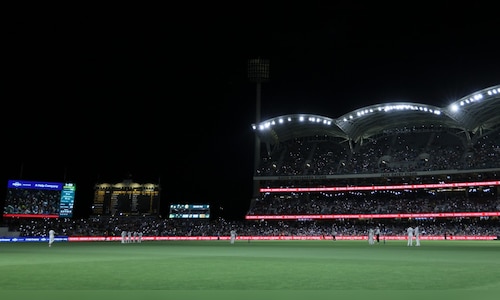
{"x": 371, "y": 235}
{"x": 52, "y": 237}
{"x": 233, "y": 236}
{"x": 416, "y": 232}
{"x": 410, "y": 231}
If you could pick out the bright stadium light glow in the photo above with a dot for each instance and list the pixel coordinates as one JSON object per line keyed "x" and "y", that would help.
{"x": 476, "y": 97}
{"x": 493, "y": 92}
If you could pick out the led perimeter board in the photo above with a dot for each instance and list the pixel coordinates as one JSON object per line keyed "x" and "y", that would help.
{"x": 38, "y": 199}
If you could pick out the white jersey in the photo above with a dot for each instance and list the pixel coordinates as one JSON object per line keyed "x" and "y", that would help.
{"x": 371, "y": 234}
{"x": 410, "y": 232}
{"x": 52, "y": 237}
{"x": 233, "y": 236}
{"x": 416, "y": 232}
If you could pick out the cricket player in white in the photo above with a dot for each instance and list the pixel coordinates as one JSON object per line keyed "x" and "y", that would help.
{"x": 52, "y": 237}
{"x": 410, "y": 235}
{"x": 233, "y": 236}
{"x": 371, "y": 235}
{"x": 416, "y": 232}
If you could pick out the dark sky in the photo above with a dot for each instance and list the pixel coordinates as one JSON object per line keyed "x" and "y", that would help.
{"x": 162, "y": 93}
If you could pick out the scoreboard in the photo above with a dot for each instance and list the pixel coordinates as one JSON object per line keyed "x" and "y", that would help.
{"x": 39, "y": 199}
{"x": 189, "y": 211}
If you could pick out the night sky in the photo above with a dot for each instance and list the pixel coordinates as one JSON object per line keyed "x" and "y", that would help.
{"x": 163, "y": 95}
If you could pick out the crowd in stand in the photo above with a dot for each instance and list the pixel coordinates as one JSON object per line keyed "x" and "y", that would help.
{"x": 155, "y": 226}
{"x": 393, "y": 151}
{"x": 376, "y": 202}
{"x": 25, "y": 201}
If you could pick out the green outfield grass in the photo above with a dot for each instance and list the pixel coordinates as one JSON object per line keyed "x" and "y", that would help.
{"x": 248, "y": 269}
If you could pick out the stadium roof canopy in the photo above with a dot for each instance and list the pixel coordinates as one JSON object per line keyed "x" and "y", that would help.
{"x": 478, "y": 112}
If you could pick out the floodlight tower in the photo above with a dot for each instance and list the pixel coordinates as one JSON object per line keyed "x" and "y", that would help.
{"x": 258, "y": 72}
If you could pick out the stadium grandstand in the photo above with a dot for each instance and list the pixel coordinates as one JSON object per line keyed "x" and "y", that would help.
{"x": 389, "y": 165}
{"x": 385, "y": 162}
